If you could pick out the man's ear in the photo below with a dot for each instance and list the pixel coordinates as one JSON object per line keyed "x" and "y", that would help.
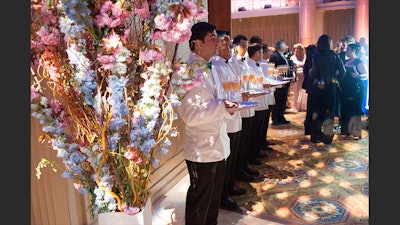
{"x": 199, "y": 44}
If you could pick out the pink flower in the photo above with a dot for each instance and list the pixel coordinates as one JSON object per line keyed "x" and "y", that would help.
{"x": 77, "y": 186}
{"x": 49, "y": 36}
{"x": 143, "y": 10}
{"x": 133, "y": 156}
{"x": 34, "y": 93}
{"x": 151, "y": 56}
{"x": 155, "y": 35}
{"x": 162, "y": 22}
{"x": 202, "y": 13}
{"x": 55, "y": 105}
{"x": 111, "y": 15}
{"x": 192, "y": 7}
{"x": 107, "y": 61}
{"x": 130, "y": 210}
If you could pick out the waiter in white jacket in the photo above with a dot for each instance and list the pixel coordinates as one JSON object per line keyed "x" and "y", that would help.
{"x": 206, "y": 146}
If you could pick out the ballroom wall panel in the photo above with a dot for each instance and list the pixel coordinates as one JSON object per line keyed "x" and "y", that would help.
{"x": 270, "y": 28}
{"x": 335, "y": 23}
{"x": 339, "y": 23}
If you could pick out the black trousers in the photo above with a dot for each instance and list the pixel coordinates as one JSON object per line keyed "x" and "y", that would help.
{"x": 204, "y": 193}
{"x": 244, "y": 148}
{"x": 252, "y": 137}
{"x": 266, "y": 125}
{"x": 231, "y": 161}
{"x": 281, "y": 96}
{"x": 259, "y": 132}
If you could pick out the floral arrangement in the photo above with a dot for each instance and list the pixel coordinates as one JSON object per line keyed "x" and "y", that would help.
{"x": 188, "y": 77}
{"x": 101, "y": 88}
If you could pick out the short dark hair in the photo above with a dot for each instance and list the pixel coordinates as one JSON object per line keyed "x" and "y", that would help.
{"x": 222, "y": 32}
{"x": 199, "y": 32}
{"x": 265, "y": 48}
{"x": 253, "y": 48}
{"x": 356, "y": 47}
{"x": 256, "y": 39}
{"x": 238, "y": 38}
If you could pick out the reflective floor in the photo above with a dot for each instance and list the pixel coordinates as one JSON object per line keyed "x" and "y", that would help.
{"x": 171, "y": 210}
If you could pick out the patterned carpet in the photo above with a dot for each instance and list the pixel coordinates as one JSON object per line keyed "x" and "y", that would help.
{"x": 306, "y": 183}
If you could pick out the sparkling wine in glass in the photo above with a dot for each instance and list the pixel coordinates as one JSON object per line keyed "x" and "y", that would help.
{"x": 245, "y": 82}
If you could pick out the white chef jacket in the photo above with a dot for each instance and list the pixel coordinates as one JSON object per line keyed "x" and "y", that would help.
{"x": 261, "y": 100}
{"x": 223, "y": 69}
{"x": 204, "y": 116}
{"x": 240, "y": 67}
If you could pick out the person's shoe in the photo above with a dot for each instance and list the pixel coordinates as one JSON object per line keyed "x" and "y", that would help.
{"x": 255, "y": 162}
{"x": 276, "y": 123}
{"x": 270, "y": 143}
{"x": 258, "y": 179}
{"x": 316, "y": 141}
{"x": 269, "y": 151}
{"x": 355, "y": 137}
{"x": 228, "y": 204}
{"x": 261, "y": 154}
{"x": 226, "y": 201}
{"x": 267, "y": 148}
{"x": 243, "y": 176}
{"x": 236, "y": 191}
{"x": 285, "y": 122}
{"x": 251, "y": 172}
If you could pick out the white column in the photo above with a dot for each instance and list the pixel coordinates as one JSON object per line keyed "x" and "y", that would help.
{"x": 361, "y": 20}
{"x": 307, "y": 10}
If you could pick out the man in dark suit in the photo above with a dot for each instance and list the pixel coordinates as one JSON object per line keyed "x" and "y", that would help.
{"x": 281, "y": 94}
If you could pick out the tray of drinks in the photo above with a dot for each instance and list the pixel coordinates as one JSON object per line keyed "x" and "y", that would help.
{"x": 277, "y": 82}
{"x": 243, "y": 105}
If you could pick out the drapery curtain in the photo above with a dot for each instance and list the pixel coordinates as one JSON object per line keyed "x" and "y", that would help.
{"x": 270, "y": 28}
{"x": 339, "y": 23}
{"x": 336, "y": 23}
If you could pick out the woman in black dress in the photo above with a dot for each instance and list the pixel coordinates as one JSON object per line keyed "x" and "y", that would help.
{"x": 327, "y": 67}
{"x": 351, "y": 95}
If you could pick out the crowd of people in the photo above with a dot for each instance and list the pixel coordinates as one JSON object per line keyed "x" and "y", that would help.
{"x": 222, "y": 139}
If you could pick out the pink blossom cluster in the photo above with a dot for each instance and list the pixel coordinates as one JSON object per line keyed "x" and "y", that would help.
{"x": 111, "y": 15}
{"x": 175, "y": 26}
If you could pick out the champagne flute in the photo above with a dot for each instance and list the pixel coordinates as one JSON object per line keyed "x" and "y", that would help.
{"x": 236, "y": 85}
{"x": 252, "y": 81}
{"x": 227, "y": 86}
{"x": 245, "y": 82}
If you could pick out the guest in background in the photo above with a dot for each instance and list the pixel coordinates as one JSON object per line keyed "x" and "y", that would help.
{"x": 299, "y": 94}
{"x": 327, "y": 67}
{"x": 348, "y": 39}
{"x": 351, "y": 93}
{"x": 364, "y": 56}
{"x": 281, "y": 94}
{"x": 338, "y": 47}
{"x": 206, "y": 146}
{"x": 307, "y": 86}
